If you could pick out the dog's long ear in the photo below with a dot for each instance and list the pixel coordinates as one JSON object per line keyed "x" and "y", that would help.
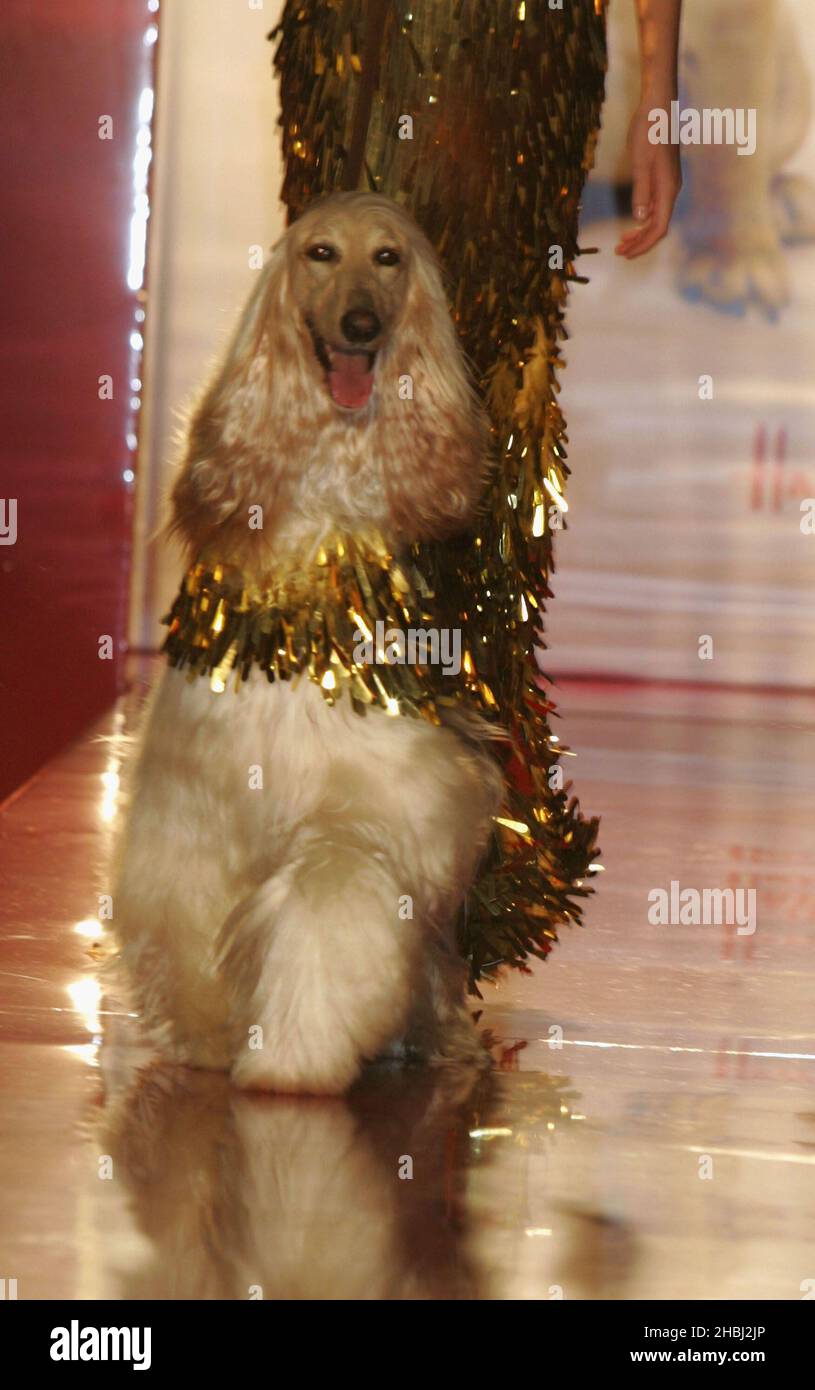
{"x": 434, "y": 432}
{"x": 229, "y": 450}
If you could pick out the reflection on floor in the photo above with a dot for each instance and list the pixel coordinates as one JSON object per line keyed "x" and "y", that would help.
{"x": 648, "y": 1132}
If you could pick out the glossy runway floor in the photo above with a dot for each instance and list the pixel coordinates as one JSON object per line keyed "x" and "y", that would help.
{"x": 648, "y": 1132}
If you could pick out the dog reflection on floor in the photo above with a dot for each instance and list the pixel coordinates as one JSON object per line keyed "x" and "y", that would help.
{"x": 419, "y": 1184}
{"x": 264, "y": 1197}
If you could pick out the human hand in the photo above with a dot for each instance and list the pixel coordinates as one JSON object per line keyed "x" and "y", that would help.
{"x": 657, "y": 179}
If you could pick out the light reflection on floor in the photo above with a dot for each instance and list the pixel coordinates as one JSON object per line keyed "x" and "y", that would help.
{"x": 639, "y": 1060}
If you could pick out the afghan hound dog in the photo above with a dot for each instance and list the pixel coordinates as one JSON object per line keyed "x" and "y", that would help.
{"x": 261, "y": 928}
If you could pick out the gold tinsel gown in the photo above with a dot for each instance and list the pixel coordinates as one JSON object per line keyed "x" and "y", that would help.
{"x": 480, "y": 116}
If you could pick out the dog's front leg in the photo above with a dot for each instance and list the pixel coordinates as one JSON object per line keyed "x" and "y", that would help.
{"x": 318, "y": 966}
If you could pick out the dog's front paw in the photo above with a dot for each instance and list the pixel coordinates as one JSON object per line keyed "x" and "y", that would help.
{"x": 449, "y": 1041}
{"x": 461, "y": 1048}
{"x": 309, "y": 1075}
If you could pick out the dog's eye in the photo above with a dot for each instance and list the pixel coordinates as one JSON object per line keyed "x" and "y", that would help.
{"x": 321, "y": 252}
{"x": 386, "y": 255}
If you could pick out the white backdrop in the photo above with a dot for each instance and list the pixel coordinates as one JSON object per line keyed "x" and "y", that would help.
{"x": 216, "y": 182}
{"x": 678, "y": 529}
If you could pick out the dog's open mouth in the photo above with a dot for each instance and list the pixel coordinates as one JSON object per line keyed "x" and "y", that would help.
{"x": 349, "y": 373}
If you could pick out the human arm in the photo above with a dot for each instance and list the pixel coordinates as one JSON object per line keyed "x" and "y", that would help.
{"x": 656, "y": 170}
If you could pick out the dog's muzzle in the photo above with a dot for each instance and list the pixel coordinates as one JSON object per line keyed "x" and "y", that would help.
{"x": 349, "y": 370}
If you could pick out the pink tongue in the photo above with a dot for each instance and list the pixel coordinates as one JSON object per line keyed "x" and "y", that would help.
{"x": 349, "y": 379}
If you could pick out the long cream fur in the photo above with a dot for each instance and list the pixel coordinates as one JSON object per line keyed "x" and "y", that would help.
{"x": 291, "y": 932}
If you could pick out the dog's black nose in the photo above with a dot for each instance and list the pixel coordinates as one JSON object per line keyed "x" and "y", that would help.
{"x": 360, "y": 325}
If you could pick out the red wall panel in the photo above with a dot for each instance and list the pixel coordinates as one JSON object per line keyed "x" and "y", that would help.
{"x": 68, "y": 317}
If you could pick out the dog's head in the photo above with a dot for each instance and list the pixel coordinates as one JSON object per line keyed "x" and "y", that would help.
{"x": 351, "y": 261}
{"x": 343, "y": 393}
